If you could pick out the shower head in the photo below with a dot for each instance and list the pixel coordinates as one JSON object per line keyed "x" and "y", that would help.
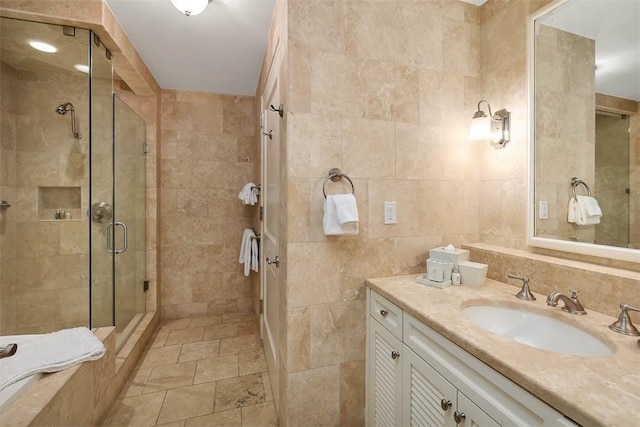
{"x": 62, "y": 109}
{"x": 65, "y": 108}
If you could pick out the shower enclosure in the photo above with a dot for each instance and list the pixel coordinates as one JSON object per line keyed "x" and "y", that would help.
{"x": 72, "y": 173}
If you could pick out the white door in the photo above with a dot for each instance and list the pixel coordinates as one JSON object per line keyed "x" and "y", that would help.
{"x": 270, "y": 242}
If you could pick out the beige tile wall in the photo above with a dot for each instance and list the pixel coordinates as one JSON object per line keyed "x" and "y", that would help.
{"x": 565, "y": 127}
{"x": 611, "y": 178}
{"x": 45, "y": 268}
{"x": 385, "y": 91}
{"x": 207, "y": 157}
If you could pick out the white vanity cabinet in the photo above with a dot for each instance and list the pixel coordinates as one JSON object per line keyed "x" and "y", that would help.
{"x": 417, "y": 377}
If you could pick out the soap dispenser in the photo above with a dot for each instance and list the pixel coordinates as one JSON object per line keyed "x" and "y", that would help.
{"x": 455, "y": 276}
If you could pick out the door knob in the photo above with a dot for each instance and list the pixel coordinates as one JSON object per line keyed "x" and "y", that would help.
{"x": 459, "y": 417}
{"x": 395, "y": 355}
{"x": 445, "y": 404}
{"x": 275, "y": 261}
{"x": 383, "y": 313}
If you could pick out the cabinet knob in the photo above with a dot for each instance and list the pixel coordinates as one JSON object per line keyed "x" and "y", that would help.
{"x": 383, "y": 313}
{"x": 395, "y": 355}
{"x": 459, "y": 417}
{"x": 445, "y": 404}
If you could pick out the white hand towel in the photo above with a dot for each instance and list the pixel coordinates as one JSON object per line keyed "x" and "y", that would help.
{"x": 50, "y": 353}
{"x": 579, "y": 209}
{"x": 245, "y": 249}
{"x": 591, "y": 205}
{"x": 254, "y": 254}
{"x": 330, "y": 222}
{"x": 346, "y": 208}
{"x": 249, "y": 194}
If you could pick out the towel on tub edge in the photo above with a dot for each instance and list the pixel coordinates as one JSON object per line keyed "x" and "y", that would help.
{"x": 51, "y": 352}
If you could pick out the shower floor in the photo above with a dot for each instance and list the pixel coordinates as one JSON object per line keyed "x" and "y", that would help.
{"x": 202, "y": 371}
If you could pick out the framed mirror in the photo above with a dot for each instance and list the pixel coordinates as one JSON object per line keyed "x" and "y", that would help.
{"x": 583, "y": 59}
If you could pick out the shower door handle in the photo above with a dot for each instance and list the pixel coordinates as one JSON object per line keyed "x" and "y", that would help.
{"x": 126, "y": 237}
{"x": 111, "y": 231}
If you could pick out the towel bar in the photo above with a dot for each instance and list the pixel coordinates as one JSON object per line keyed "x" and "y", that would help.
{"x": 336, "y": 175}
{"x": 574, "y": 183}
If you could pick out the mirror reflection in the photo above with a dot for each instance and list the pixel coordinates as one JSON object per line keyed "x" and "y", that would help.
{"x": 587, "y": 123}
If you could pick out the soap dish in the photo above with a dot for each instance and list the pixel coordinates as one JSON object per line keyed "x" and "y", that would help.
{"x": 423, "y": 280}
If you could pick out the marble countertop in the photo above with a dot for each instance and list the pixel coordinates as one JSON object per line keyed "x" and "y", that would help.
{"x": 590, "y": 390}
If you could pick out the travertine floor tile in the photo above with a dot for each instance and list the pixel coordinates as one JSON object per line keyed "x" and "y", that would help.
{"x": 160, "y": 356}
{"x": 240, "y": 344}
{"x": 214, "y": 319}
{"x": 170, "y": 376}
{"x": 220, "y": 331}
{"x": 187, "y": 402}
{"x": 199, "y": 350}
{"x": 248, "y": 328}
{"x": 136, "y": 411}
{"x": 159, "y": 338}
{"x": 260, "y": 415}
{"x": 174, "y": 424}
{"x": 251, "y": 363}
{"x": 135, "y": 384}
{"x": 239, "y": 392}
{"x": 231, "y": 418}
{"x": 181, "y": 336}
{"x": 236, "y": 317}
{"x": 174, "y": 324}
{"x": 216, "y": 368}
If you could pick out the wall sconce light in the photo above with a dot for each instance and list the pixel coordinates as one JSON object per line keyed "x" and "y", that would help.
{"x": 191, "y": 7}
{"x": 495, "y": 127}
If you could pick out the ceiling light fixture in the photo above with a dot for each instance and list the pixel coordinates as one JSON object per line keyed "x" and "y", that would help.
{"x": 82, "y": 68}
{"x": 43, "y": 47}
{"x": 495, "y": 127}
{"x": 191, "y": 7}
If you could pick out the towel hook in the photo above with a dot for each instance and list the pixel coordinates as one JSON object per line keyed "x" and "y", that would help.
{"x": 336, "y": 175}
{"x": 279, "y": 110}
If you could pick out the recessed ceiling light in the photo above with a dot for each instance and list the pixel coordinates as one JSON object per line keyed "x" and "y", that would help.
{"x": 82, "y": 68}
{"x": 43, "y": 47}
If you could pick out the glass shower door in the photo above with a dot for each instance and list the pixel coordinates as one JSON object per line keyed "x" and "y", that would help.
{"x": 129, "y": 225}
{"x": 101, "y": 186}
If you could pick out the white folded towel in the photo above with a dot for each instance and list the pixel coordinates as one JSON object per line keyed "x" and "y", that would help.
{"x": 249, "y": 194}
{"x": 340, "y": 215}
{"x": 51, "y": 352}
{"x": 246, "y": 252}
{"x": 583, "y": 210}
{"x": 254, "y": 255}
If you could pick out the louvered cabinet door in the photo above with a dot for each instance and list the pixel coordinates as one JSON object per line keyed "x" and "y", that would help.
{"x": 470, "y": 414}
{"x": 385, "y": 382}
{"x": 430, "y": 400}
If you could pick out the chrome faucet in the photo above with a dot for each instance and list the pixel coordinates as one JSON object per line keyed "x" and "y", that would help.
{"x": 571, "y": 304}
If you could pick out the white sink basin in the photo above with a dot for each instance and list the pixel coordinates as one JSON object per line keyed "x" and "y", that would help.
{"x": 536, "y": 330}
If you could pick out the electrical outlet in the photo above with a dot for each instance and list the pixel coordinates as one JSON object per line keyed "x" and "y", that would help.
{"x": 390, "y": 212}
{"x": 543, "y": 210}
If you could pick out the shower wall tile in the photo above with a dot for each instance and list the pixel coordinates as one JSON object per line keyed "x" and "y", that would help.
{"x": 205, "y": 145}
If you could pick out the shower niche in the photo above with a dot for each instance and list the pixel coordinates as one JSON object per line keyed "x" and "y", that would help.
{"x": 53, "y": 200}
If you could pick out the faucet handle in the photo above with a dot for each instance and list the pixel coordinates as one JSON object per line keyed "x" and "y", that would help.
{"x": 624, "y": 325}
{"x": 574, "y": 294}
{"x": 524, "y": 294}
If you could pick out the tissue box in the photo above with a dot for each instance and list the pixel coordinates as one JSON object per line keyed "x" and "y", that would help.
{"x": 473, "y": 273}
{"x": 456, "y": 257}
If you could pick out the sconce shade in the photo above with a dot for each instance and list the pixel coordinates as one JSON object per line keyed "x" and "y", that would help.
{"x": 494, "y": 127}
{"x": 480, "y": 128}
{"x": 191, "y": 7}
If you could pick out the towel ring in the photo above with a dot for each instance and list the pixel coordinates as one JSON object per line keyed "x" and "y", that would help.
{"x": 574, "y": 183}
{"x": 336, "y": 175}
